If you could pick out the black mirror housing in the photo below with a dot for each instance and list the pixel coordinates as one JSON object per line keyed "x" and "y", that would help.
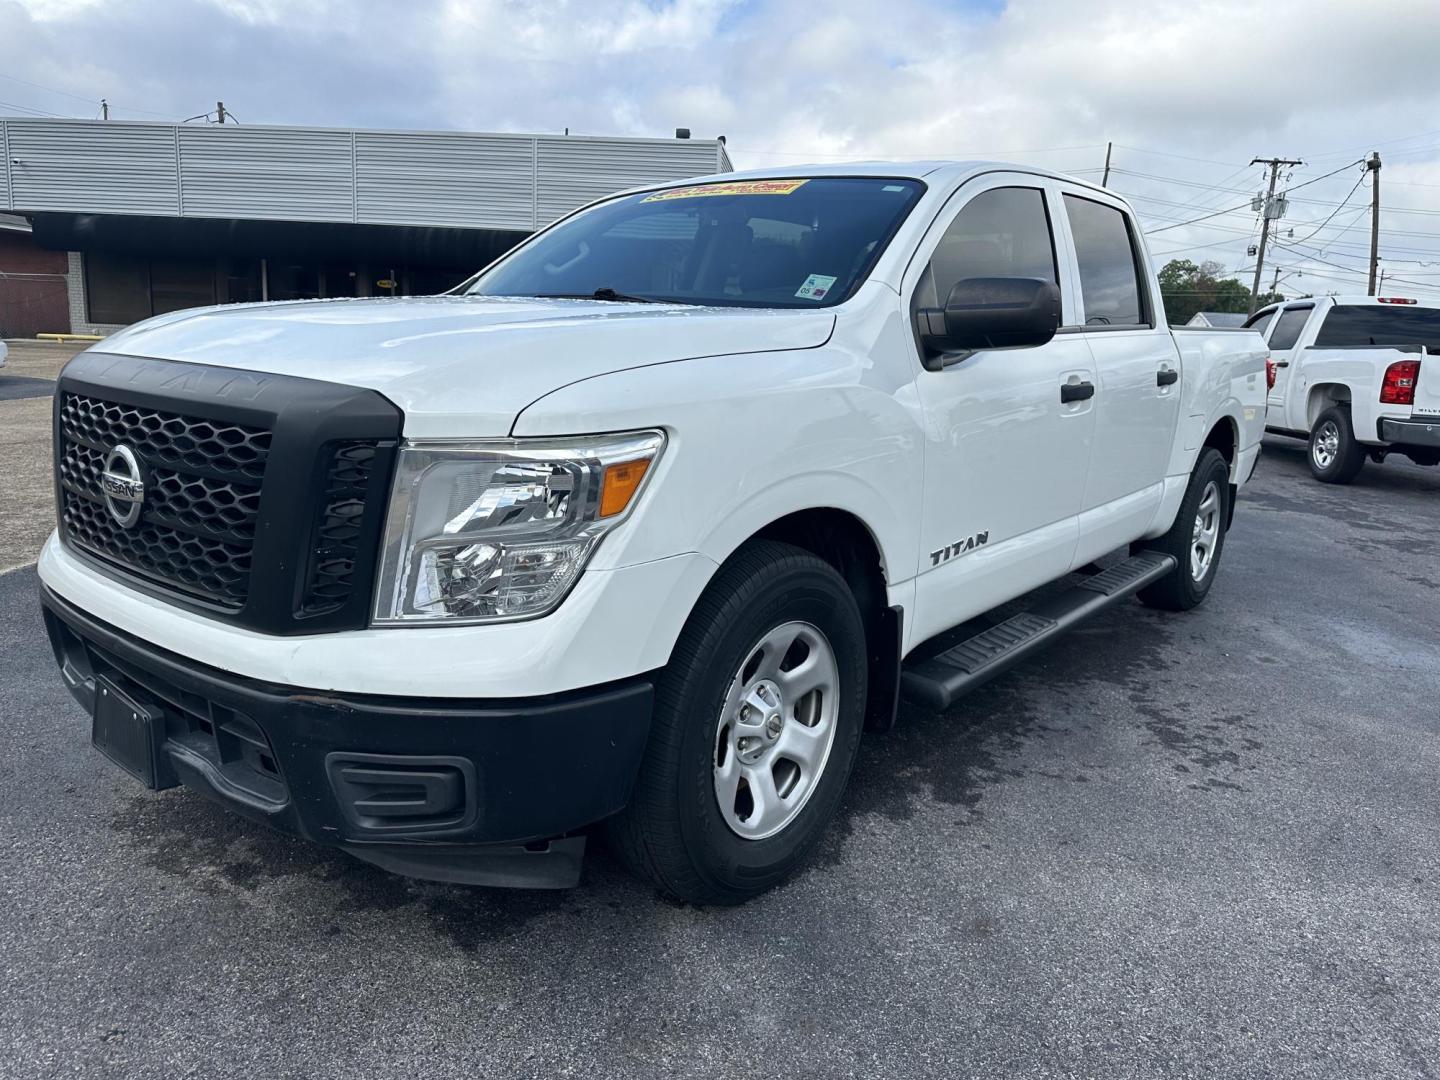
{"x": 992, "y": 313}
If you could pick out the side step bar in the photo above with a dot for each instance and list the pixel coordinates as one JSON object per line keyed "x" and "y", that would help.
{"x": 939, "y": 680}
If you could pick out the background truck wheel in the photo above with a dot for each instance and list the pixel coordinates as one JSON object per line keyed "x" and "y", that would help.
{"x": 1196, "y": 540}
{"x": 757, "y": 721}
{"x": 1336, "y": 457}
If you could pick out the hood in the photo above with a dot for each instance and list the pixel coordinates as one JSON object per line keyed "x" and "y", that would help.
{"x": 461, "y": 366}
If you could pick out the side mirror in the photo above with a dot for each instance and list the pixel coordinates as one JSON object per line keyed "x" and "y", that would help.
{"x": 992, "y": 313}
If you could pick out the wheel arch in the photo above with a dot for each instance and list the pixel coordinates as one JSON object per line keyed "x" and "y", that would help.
{"x": 847, "y": 542}
{"x": 1322, "y": 395}
{"x": 1224, "y": 435}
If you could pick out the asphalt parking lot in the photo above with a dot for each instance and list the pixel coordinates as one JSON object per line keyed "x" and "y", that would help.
{"x": 1185, "y": 846}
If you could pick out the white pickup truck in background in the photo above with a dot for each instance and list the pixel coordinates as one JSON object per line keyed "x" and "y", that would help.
{"x": 1359, "y": 376}
{"x": 643, "y": 524}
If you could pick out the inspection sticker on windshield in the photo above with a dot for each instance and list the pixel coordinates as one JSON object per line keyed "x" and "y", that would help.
{"x": 733, "y": 187}
{"x": 815, "y": 287}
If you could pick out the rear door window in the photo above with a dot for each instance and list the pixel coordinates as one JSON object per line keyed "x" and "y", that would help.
{"x": 1288, "y": 327}
{"x": 1109, "y": 270}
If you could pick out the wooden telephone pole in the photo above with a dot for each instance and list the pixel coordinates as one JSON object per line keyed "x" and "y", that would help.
{"x": 1373, "y": 164}
{"x": 1266, "y": 210}
{"x": 1105, "y": 180}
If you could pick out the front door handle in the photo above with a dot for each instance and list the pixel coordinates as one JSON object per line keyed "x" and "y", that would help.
{"x": 1076, "y": 391}
{"x": 1166, "y": 377}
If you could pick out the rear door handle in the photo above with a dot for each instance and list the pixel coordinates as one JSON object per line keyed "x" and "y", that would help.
{"x": 1166, "y": 377}
{"x": 1076, "y": 391}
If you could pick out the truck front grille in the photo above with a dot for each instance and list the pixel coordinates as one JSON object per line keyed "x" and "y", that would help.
{"x": 263, "y": 499}
{"x": 336, "y": 550}
{"x": 203, "y": 478}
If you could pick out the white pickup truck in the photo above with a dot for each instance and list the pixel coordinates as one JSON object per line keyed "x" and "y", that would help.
{"x": 643, "y": 524}
{"x": 1359, "y": 376}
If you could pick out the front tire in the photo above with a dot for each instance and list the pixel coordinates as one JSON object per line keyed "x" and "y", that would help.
{"x": 1336, "y": 456}
{"x": 1196, "y": 539}
{"x": 756, "y": 726}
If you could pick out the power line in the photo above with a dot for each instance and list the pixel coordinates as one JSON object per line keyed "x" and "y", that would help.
{"x": 76, "y": 97}
{"x": 47, "y": 89}
{"x": 1337, "y": 209}
{"x": 1181, "y": 157}
{"x": 1192, "y": 221}
{"x": 1177, "y": 180}
{"x": 36, "y": 112}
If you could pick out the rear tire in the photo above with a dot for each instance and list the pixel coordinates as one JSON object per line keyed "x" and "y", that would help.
{"x": 696, "y": 826}
{"x": 1196, "y": 539}
{"x": 1336, "y": 456}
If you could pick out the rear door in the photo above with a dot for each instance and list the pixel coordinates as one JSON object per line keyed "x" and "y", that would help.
{"x": 1283, "y": 339}
{"x": 1137, "y": 395}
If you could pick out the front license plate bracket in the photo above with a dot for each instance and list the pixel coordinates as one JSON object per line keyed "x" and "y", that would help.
{"x": 132, "y": 735}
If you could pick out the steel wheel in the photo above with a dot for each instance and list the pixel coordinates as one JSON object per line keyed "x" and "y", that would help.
{"x": 775, "y": 731}
{"x": 1205, "y": 533}
{"x": 1325, "y": 444}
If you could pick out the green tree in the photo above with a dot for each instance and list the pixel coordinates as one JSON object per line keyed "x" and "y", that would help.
{"x": 1187, "y": 287}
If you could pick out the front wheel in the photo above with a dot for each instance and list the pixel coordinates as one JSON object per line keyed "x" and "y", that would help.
{"x": 1336, "y": 456}
{"x": 1196, "y": 539}
{"x": 756, "y": 725}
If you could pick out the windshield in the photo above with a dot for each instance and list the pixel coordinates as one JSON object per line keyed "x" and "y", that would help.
{"x": 1375, "y": 324}
{"x": 753, "y": 243}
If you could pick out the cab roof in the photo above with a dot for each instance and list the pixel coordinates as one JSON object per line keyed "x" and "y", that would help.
{"x": 1391, "y": 297}
{"x": 935, "y": 171}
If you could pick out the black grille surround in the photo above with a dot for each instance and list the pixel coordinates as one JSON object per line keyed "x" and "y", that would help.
{"x": 265, "y": 495}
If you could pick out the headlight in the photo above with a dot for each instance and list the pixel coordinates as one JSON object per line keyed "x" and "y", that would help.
{"x": 491, "y": 531}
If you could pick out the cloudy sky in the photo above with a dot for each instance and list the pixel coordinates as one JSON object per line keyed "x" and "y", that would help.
{"x": 1188, "y": 90}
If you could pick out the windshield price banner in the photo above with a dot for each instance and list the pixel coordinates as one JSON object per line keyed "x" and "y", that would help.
{"x": 736, "y": 187}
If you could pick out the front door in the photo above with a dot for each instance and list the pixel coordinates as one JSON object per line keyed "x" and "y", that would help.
{"x": 1284, "y": 334}
{"x": 1007, "y": 451}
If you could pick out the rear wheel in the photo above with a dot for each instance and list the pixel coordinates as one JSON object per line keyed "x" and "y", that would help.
{"x": 1336, "y": 456}
{"x": 1196, "y": 539}
{"x": 756, "y": 726}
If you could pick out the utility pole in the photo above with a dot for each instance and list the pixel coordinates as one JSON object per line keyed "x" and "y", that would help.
{"x": 1275, "y": 285}
{"x": 104, "y": 109}
{"x": 220, "y": 110}
{"x": 1267, "y": 210}
{"x": 1373, "y": 164}
{"x": 1105, "y": 180}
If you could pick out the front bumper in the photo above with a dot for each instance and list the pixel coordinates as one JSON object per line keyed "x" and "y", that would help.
{"x": 483, "y": 792}
{"x": 1413, "y": 432}
{"x": 617, "y": 623}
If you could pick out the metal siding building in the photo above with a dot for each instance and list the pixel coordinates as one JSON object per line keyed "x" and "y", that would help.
{"x": 167, "y": 215}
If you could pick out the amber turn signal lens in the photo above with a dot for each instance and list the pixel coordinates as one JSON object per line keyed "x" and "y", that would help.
{"x": 619, "y": 486}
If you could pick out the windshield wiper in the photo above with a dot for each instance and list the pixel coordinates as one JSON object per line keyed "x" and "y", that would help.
{"x": 603, "y": 293}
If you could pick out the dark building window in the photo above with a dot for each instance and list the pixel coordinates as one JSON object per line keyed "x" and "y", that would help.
{"x": 177, "y": 284}
{"x": 128, "y": 288}
{"x": 239, "y": 281}
{"x": 117, "y": 288}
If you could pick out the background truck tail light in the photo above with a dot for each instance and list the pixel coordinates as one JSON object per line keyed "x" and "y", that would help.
{"x": 1399, "y": 385}
{"x": 1269, "y": 373}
